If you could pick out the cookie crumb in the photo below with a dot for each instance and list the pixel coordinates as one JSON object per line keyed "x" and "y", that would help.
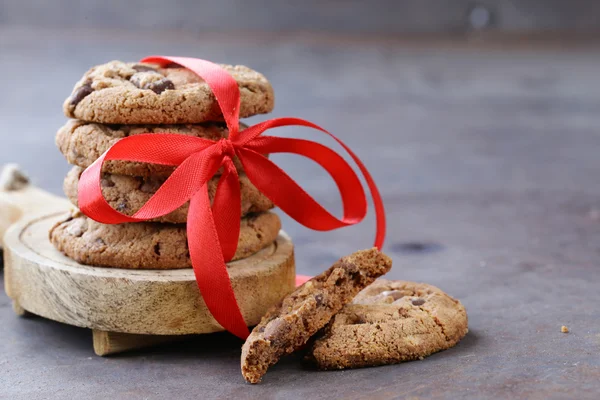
{"x": 564, "y": 329}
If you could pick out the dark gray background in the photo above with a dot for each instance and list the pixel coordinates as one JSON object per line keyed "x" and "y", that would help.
{"x": 484, "y": 143}
{"x": 339, "y": 16}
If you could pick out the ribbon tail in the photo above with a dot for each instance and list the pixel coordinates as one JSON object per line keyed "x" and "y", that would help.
{"x": 227, "y": 210}
{"x": 209, "y": 266}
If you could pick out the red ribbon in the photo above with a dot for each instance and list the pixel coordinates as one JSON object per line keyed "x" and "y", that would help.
{"x": 213, "y": 231}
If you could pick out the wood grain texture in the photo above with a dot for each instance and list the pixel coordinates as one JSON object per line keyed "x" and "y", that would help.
{"x": 46, "y": 283}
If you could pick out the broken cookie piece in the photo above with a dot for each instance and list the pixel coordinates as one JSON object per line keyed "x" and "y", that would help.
{"x": 291, "y": 323}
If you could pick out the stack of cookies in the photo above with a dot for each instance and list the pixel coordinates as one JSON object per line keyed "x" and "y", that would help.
{"x": 347, "y": 317}
{"x": 117, "y": 100}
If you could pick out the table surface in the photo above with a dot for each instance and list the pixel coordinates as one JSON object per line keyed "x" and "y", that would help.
{"x": 487, "y": 158}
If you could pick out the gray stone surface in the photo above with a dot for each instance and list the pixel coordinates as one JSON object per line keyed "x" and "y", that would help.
{"x": 488, "y": 163}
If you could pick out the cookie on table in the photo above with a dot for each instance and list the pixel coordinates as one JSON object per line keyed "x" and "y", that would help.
{"x": 127, "y": 194}
{"x": 148, "y": 245}
{"x": 291, "y": 323}
{"x": 390, "y": 322}
{"x": 83, "y": 142}
{"x": 139, "y": 93}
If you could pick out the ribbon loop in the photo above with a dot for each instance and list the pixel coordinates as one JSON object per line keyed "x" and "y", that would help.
{"x": 213, "y": 229}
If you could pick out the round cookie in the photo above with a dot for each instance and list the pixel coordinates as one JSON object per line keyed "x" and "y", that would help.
{"x": 390, "y": 322}
{"x": 128, "y": 194}
{"x": 83, "y": 142}
{"x": 140, "y": 93}
{"x": 148, "y": 245}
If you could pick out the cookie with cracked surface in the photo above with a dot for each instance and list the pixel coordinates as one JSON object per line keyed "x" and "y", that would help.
{"x": 390, "y": 322}
{"x": 148, "y": 245}
{"x": 83, "y": 142}
{"x": 127, "y": 194}
{"x": 290, "y": 324}
{"x": 140, "y": 93}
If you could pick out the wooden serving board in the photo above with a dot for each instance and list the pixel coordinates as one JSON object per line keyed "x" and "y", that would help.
{"x": 126, "y": 309}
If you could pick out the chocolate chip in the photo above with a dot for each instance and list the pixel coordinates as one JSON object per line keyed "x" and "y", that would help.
{"x": 357, "y": 320}
{"x": 149, "y": 187}
{"x": 355, "y": 277}
{"x": 105, "y": 182}
{"x": 160, "y": 86}
{"x": 143, "y": 68}
{"x": 157, "y": 249}
{"x": 82, "y": 92}
{"x": 171, "y": 65}
{"x": 276, "y": 330}
{"x": 146, "y": 80}
{"x": 418, "y": 302}
{"x": 319, "y": 299}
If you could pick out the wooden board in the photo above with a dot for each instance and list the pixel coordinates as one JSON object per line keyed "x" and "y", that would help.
{"x": 166, "y": 302}
{"x": 126, "y": 309}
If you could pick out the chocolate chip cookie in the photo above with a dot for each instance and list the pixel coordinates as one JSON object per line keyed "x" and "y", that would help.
{"x": 148, "y": 245}
{"x": 128, "y": 194}
{"x": 141, "y": 93}
{"x": 390, "y": 322}
{"x": 83, "y": 142}
{"x": 291, "y": 323}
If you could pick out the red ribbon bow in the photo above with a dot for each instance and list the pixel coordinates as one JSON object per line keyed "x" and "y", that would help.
{"x": 213, "y": 231}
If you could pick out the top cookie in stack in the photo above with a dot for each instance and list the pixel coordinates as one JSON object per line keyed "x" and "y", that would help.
{"x": 116, "y": 100}
{"x": 139, "y": 93}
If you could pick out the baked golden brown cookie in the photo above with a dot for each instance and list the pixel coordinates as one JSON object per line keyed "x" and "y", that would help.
{"x": 290, "y": 324}
{"x": 83, "y": 142}
{"x": 390, "y": 322}
{"x": 148, "y": 245}
{"x": 127, "y": 194}
{"x": 140, "y": 93}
